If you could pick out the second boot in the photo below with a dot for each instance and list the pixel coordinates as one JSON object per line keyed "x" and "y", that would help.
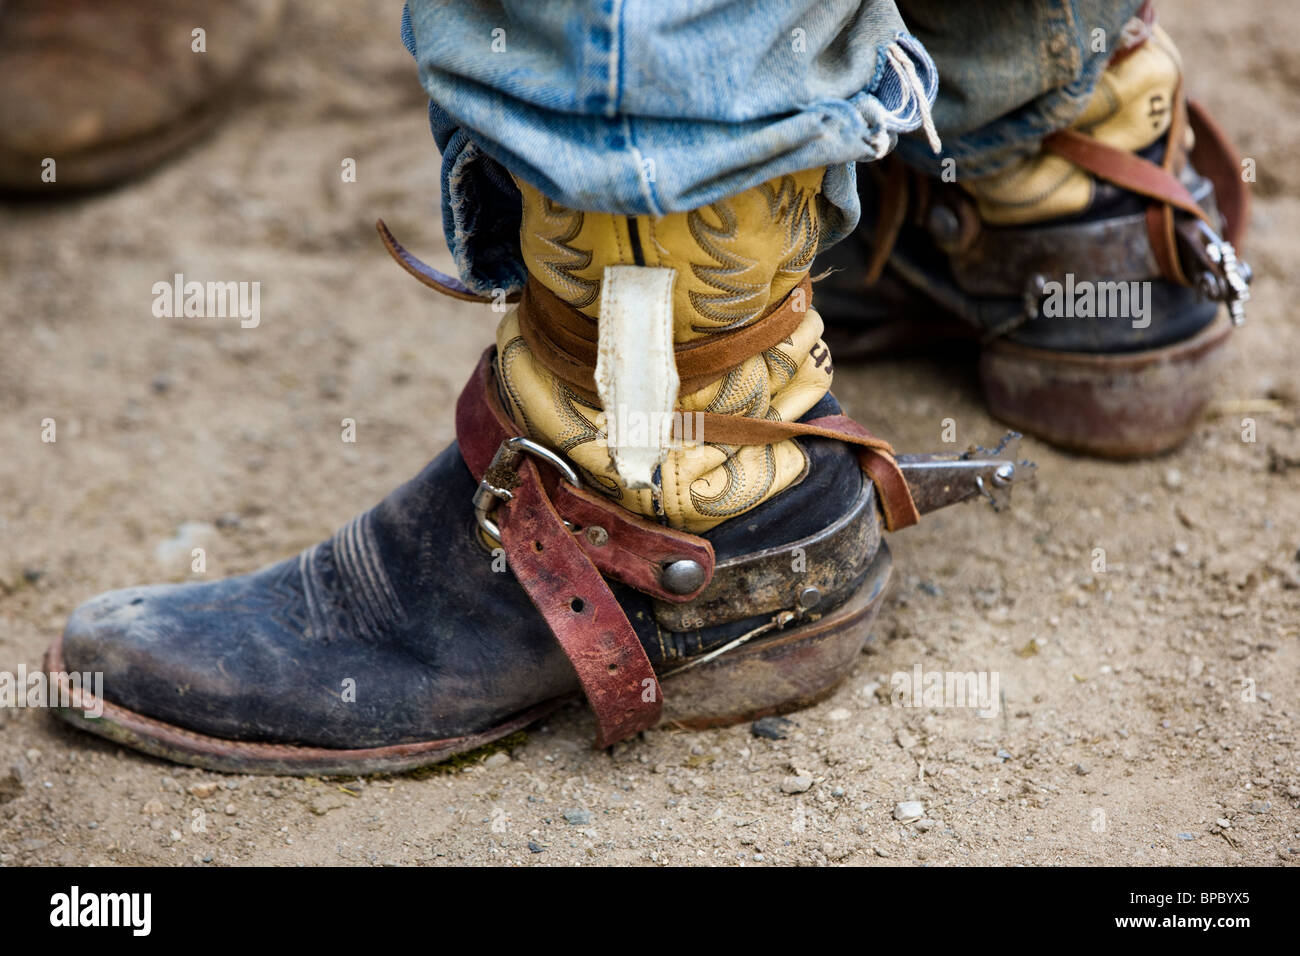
{"x": 1090, "y": 275}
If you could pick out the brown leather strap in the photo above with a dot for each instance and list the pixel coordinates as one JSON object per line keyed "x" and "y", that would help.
{"x": 1212, "y": 155}
{"x": 894, "y": 196}
{"x": 1124, "y": 169}
{"x": 1160, "y": 236}
{"x": 1141, "y": 176}
{"x": 1215, "y": 158}
{"x": 1160, "y": 215}
{"x": 564, "y": 340}
{"x": 558, "y": 566}
{"x": 875, "y": 455}
{"x": 427, "y": 274}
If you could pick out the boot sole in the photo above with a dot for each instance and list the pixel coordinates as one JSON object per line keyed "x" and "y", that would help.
{"x": 1127, "y": 405}
{"x": 789, "y": 670}
{"x": 1119, "y": 405}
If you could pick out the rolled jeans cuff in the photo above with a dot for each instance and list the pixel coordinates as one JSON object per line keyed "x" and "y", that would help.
{"x": 671, "y": 155}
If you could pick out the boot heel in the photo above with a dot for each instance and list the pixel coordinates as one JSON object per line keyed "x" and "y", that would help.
{"x": 1126, "y": 405}
{"x": 790, "y": 669}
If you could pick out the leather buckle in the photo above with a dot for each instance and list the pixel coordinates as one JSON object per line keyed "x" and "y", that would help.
{"x": 502, "y": 476}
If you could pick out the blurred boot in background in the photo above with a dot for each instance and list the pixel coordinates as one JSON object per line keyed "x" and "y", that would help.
{"x": 93, "y": 92}
{"x": 1082, "y": 225}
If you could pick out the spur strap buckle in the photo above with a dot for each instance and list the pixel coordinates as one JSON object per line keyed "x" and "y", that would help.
{"x": 502, "y": 475}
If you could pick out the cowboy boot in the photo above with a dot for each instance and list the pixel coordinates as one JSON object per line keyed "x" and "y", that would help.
{"x": 1089, "y": 275}
{"x": 95, "y": 92}
{"x": 733, "y": 571}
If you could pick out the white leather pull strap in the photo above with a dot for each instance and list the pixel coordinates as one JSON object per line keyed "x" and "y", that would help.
{"x": 636, "y": 371}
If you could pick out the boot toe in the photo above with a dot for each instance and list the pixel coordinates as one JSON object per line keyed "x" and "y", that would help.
{"x": 176, "y": 653}
{"x": 230, "y": 659}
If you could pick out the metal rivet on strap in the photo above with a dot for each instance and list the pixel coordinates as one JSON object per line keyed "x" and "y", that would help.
{"x": 597, "y": 535}
{"x": 809, "y": 597}
{"x": 683, "y": 576}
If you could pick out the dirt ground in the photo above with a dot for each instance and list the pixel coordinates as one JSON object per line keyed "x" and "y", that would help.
{"x": 1149, "y": 711}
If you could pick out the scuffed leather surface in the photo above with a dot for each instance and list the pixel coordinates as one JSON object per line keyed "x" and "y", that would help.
{"x": 439, "y": 644}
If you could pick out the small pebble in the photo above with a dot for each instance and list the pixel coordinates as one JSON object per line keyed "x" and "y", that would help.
{"x": 909, "y": 810}
{"x": 772, "y": 728}
{"x": 228, "y": 520}
{"x": 796, "y": 784}
{"x": 577, "y": 818}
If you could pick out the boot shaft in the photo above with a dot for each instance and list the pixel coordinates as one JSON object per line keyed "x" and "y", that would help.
{"x": 732, "y": 263}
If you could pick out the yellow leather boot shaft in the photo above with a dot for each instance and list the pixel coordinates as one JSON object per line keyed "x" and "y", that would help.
{"x": 1130, "y": 109}
{"x": 735, "y": 261}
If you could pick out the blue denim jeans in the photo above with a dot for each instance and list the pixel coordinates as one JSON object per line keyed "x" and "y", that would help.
{"x": 1010, "y": 72}
{"x": 657, "y": 106}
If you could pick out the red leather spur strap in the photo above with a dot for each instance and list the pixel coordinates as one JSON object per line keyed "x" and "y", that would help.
{"x": 558, "y": 567}
{"x": 631, "y": 549}
{"x": 895, "y": 496}
{"x": 581, "y": 611}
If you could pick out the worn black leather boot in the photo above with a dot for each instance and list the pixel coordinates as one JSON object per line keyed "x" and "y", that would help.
{"x": 521, "y": 566}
